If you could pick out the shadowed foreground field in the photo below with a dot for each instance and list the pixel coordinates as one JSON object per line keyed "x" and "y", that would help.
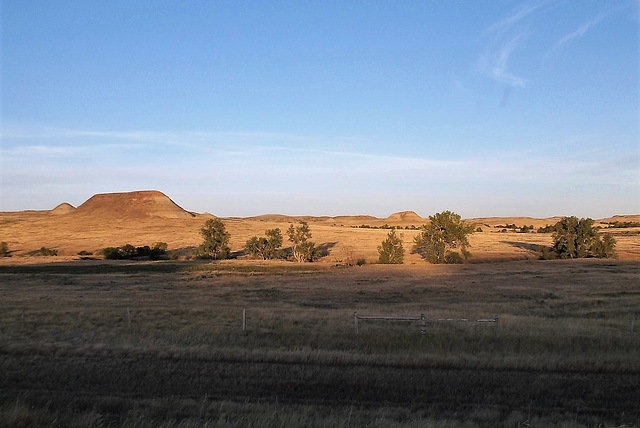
{"x": 162, "y": 344}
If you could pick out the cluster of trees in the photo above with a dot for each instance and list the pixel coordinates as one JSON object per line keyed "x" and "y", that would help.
{"x": 578, "y": 238}
{"x": 514, "y": 228}
{"x": 128, "y": 252}
{"x": 270, "y": 247}
{"x": 547, "y": 229}
{"x": 443, "y": 240}
{"x": 266, "y": 248}
{"x": 216, "y": 243}
{"x": 386, "y": 226}
{"x": 622, "y": 224}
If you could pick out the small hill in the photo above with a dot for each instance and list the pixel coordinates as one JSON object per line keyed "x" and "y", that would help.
{"x": 62, "y": 209}
{"x": 622, "y": 218}
{"x": 518, "y": 221}
{"x": 132, "y": 205}
{"x": 405, "y": 217}
{"x": 277, "y": 218}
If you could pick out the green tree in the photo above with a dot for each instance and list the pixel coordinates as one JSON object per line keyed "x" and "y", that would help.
{"x": 439, "y": 240}
{"x": 391, "y": 249}
{"x": 265, "y": 248}
{"x": 578, "y": 238}
{"x": 302, "y": 249}
{"x": 216, "y": 240}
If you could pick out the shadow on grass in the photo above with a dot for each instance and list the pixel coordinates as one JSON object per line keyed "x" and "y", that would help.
{"x": 523, "y": 245}
{"x": 325, "y": 248}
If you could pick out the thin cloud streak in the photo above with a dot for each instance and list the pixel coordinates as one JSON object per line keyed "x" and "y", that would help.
{"x": 516, "y": 16}
{"x": 585, "y": 27}
{"x": 507, "y": 35}
{"x": 499, "y": 63}
{"x": 581, "y": 31}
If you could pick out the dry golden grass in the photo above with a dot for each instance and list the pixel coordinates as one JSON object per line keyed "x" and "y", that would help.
{"x": 143, "y": 218}
{"x": 566, "y": 352}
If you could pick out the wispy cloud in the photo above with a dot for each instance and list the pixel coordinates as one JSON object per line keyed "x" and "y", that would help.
{"x": 506, "y": 37}
{"x": 516, "y": 16}
{"x": 579, "y": 32}
{"x": 584, "y": 28}
{"x": 496, "y": 62}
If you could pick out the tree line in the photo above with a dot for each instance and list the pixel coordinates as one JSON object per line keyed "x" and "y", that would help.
{"x": 443, "y": 240}
{"x": 216, "y": 243}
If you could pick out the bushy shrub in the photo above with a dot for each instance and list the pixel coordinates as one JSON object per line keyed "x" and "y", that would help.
{"x": 44, "y": 251}
{"x": 128, "y": 251}
{"x": 4, "y": 249}
{"x": 144, "y": 251}
{"x": 158, "y": 251}
{"x": 111, "y": 253}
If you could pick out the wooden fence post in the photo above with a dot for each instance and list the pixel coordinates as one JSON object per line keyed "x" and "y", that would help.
{"x": 129, "y": 317}
{"x": 355, "y": 322}
{"x": 497, "y": 325}
{"x": 423, "y": 324}
{"x": 244, "y": 319}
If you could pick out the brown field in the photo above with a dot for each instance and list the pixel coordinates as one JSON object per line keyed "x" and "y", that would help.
{"x": 143, "y": 218}
{"x": 567, "y": 351}
{"x": 94, "y": 343}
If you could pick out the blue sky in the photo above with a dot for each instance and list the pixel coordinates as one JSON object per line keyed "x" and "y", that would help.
{"x": 335, "y": 107}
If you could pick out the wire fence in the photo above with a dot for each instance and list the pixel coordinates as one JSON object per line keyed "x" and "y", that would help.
{"x": 423, "y": 320}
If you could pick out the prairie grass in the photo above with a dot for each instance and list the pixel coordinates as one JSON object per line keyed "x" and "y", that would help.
{"x": 78, "y": 329}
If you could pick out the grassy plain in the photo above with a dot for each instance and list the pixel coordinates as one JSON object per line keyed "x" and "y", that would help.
{"x": 68, "y": 234}
{"x": 95, "y": 344}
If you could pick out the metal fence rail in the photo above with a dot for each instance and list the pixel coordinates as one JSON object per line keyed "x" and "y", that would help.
{"x": 423, "y": 320}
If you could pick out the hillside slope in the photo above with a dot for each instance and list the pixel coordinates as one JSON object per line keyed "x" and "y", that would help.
{"x": 132, "y": 205}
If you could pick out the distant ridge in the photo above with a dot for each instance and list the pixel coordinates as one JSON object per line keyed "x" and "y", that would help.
{"x": 132, "y": 205}
{"x": 63, "y": 208}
